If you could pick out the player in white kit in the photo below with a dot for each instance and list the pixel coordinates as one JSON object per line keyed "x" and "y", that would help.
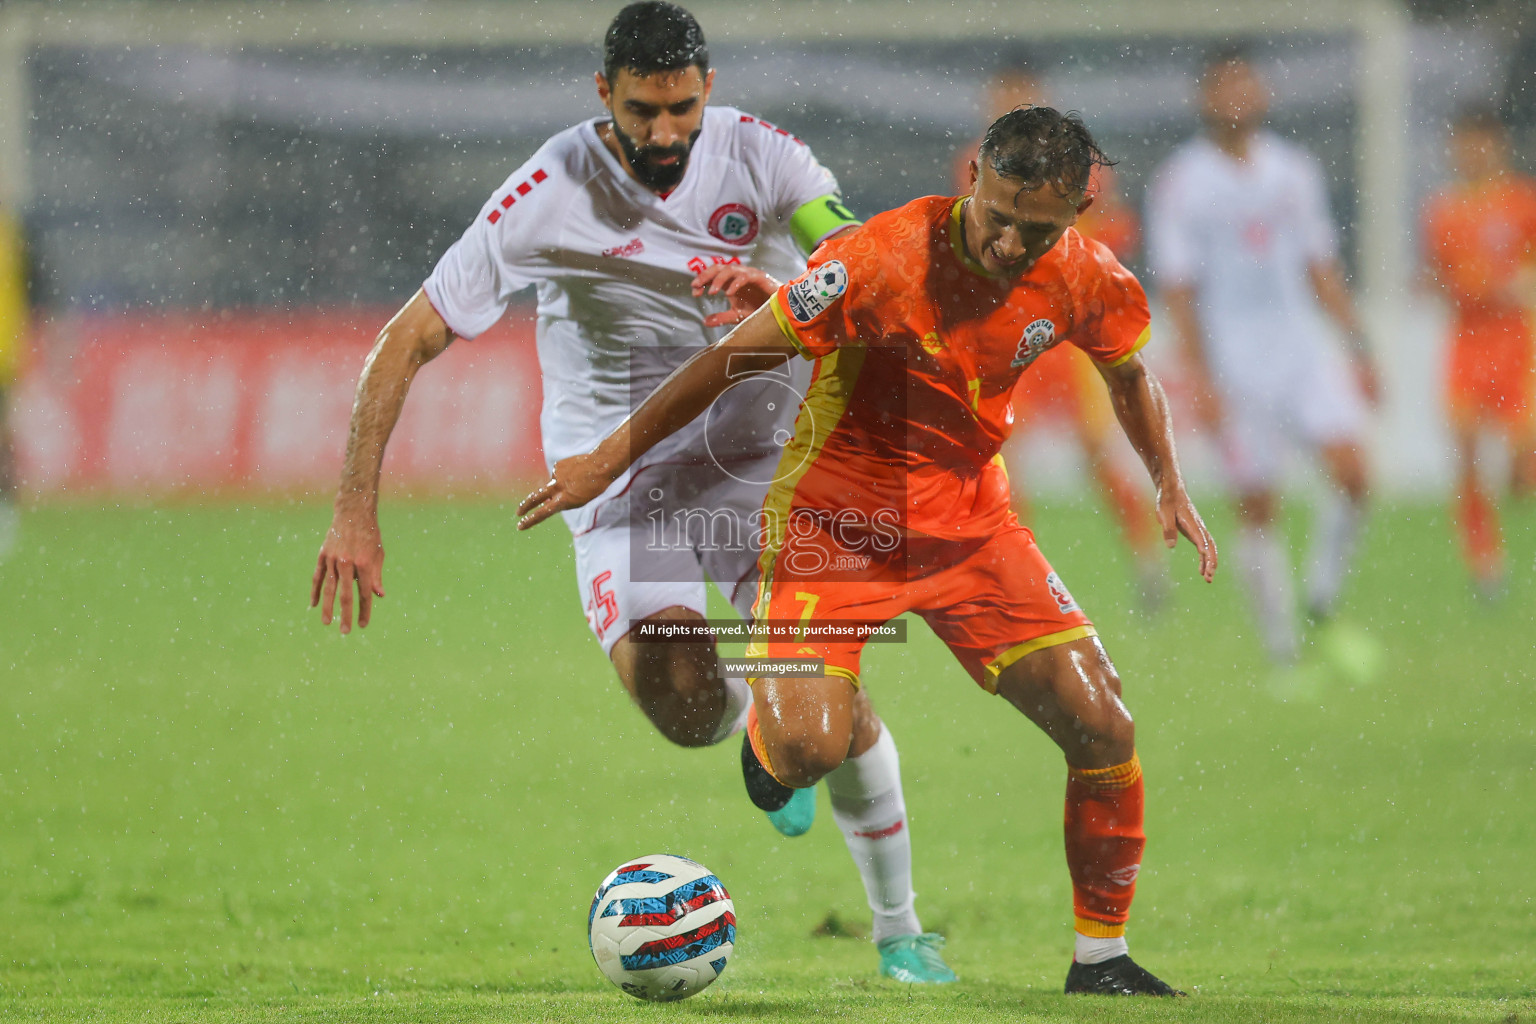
{"x": 1243, "y": 251}
{"x": 617, "y": 224}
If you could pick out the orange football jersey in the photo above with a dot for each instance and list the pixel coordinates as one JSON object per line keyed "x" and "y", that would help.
{"x": 917, "y": 353}
{"x": 1478, "y": 240}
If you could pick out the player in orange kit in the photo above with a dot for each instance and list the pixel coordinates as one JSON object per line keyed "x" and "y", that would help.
{"x": 1480, "y": 238}
{"x": 1063, "y": 382}
{"x": 889, "y": 497}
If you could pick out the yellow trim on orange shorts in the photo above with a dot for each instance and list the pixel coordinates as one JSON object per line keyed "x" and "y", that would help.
{"x": 1098, "y": 929}
{"x": 1013, "y": 654}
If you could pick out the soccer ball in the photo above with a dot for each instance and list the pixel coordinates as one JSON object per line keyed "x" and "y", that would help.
{"x": 661, "y": 928}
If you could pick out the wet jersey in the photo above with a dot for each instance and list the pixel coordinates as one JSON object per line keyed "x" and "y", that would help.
{"x": 612, "y": 264}
{"x": 917, "y": 351}
{"x": 1478, "y": 240}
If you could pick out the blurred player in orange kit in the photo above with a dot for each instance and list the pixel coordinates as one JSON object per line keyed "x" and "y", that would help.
{"x": 1480, "y": 243}
{"x": 1062, "y": 382}
{"x": 890, "y": 497}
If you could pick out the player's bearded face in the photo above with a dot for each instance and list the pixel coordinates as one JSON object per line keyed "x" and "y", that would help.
{"x": 1008, "y": 229}
{"x": 656, "y": 120}
{"x": 658, "y": 168}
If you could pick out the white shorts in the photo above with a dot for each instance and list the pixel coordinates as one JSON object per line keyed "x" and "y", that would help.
{"x": 651, "y": 547}
{"x": 1309, "y": 403}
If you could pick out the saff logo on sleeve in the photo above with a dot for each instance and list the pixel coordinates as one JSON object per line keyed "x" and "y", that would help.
{"x": 812, "y": 294}
{"x": 734, "y": 223}
{"x": 1038, "y": 337}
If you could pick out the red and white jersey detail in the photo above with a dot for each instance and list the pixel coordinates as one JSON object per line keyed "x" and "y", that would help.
{"x": 612, "y": 262}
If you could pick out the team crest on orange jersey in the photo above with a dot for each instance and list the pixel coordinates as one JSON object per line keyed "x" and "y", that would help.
{"x": 1064, "y": 600}
{"x": 1038, "y": 337}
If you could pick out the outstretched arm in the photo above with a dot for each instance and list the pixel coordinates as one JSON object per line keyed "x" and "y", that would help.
{"x": 1142, "y": 409}
{"x": 755, "y": 346}
{"x": 353, "y": 551}
{"x": 1333, "y": 295}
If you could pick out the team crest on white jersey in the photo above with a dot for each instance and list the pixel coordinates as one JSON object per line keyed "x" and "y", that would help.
{"x": 1038, "y": 337}
{"x": 1064, "y": 600}
{"x": 734, "y": 223}
{"x": 810, "y": 296}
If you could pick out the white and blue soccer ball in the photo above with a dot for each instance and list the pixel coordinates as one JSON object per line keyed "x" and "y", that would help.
{"x": 661, "y": 928}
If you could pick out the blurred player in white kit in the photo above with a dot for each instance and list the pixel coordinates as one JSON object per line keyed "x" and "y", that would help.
{"x": 1243, "y": 250}
{"x": 621, "y": 224}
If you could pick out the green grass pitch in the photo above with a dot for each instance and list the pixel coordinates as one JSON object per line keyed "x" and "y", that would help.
{"x": 213, "y": 809}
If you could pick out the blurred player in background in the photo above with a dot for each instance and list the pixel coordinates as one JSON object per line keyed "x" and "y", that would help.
{"x": 1480, "y": 243}
{"x": 1063, "y": 381}
{"x": 919, "y": 325}
{"x": 616, "y": 222}
{"x": 14, "y": 318}
{"x": 1243, "y": 249}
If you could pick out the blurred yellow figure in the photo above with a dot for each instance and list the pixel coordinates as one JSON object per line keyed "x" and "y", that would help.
{"x": 1480, "y": 243}
{"x": 13, "y": 331}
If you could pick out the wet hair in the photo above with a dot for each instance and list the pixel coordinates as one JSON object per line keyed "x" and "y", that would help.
{"x": 653, "y": 36}
{"x": 1038, "y": 146}
{"x": 1478, "y": 117}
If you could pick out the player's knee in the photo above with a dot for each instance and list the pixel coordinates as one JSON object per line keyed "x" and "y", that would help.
{"x": 802, "y": 760}
{"x": 683, "y": 704}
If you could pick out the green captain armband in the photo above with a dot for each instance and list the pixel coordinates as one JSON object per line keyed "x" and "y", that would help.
{"x": 813, "y": 222}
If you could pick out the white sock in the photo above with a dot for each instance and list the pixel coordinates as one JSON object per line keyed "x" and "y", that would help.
{"x": 1096, "y": 951}
{"x": 1264, "y": 562}
{"x": 868, "y": 807}
{"x": 738, "y": 698}
{"x": 1333, "y": 548}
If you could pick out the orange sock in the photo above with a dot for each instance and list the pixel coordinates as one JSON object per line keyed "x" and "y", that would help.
{"x": 1482, "y": 542}
{"x": 1104, "y": 844}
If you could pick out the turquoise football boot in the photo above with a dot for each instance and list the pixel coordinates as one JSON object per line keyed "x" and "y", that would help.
{"x": 792, "y": 811}
{"x": 915, "y": 959}
{"x": 796, "y": 817}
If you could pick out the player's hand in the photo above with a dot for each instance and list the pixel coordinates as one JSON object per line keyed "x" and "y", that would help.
{"x": 352, "y": 555}
{"x": 746, "y": 287}
{"x": 1176, "y": 514}
{"x": 576, "y": 481}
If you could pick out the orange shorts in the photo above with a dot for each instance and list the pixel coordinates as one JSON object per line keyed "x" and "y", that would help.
{"x": 1491, "y": 375}
{"x": 991, "y": 600}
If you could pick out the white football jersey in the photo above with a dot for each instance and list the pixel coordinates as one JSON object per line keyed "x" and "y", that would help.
{"x": 1243, "y": 233}
{"x": 612, "y": 263}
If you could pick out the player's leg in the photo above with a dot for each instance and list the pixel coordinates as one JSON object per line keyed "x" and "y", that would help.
{"x": 1477, "y": 515}
{"x": 678, "y": 685}
{"x": 1071, "y": 691}
{"x": 1325, "y": 407}
{"x": 1253, "y": 450}
{"x": 1265, "y": 564}
{"x": 1130, "y": 509}
{"x": 1336, "y": 527}
{"x": 803, "y": 730}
